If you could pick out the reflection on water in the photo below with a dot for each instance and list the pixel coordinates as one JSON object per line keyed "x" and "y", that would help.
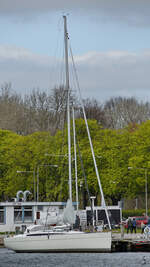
{"x": 9, "y": 258}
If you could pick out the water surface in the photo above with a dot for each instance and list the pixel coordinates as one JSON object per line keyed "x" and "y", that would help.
{"x": 9, "y": 258}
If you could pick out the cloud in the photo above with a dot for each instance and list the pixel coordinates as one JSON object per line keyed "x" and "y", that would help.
{"x": 24, "y": 69}
{"x": 116, "y": 73}
{"x": 133, "y": 12}
{"x": 101, "y": 75}
{"x": 20, "y": 54}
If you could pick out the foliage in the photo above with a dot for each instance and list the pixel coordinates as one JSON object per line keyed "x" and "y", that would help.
{"x": 115, "y": 151}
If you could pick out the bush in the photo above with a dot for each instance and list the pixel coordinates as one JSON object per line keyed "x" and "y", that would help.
{"x": 131, "y": 213}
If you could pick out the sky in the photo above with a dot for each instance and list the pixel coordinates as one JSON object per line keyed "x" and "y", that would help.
{"x": 110, "y": 41}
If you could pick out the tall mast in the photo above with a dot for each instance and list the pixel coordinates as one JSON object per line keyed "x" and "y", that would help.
{"x": 75, "y": 158}
{"x": 68, "y": 104}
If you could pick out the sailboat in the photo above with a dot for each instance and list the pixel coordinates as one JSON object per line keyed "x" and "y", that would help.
{"x": 63, "y": 239}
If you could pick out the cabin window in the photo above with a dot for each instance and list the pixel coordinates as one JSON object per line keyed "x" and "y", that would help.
{"x": 23, "y": 214}
{"x": 2, "y": 215}
{"x": 18, "y": 214}
{"x": 28, "y": 214}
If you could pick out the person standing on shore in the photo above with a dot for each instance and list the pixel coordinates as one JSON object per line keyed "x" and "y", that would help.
{"x": 134, "y": 225}
{"x": 129, "y": 225}
{"x": 142, "y": 227}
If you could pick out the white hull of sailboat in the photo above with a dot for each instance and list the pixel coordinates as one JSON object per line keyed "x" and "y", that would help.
{"x": 79, "y": 242}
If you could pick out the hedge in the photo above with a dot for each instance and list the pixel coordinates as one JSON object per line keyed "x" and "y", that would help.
{"x": 131, "y": 213}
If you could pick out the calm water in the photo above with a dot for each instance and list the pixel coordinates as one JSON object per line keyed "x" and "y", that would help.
{"x": 11, "y": 259}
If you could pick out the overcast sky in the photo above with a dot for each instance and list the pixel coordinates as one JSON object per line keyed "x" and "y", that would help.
{"x": 110, "y": 42}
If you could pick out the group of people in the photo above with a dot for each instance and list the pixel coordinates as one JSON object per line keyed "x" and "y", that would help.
{"x": 131, "y": 225}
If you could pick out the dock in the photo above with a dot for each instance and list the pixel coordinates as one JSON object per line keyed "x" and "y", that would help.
{"x": 129, "y": 242}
